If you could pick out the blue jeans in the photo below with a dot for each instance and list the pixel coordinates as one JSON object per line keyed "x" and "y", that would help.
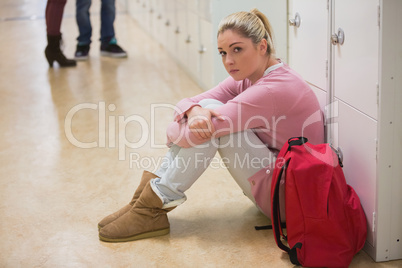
{"x": 108, "y": 14}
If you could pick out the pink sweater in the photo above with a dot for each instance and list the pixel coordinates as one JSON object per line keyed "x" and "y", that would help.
{"x": 280, "y": 105}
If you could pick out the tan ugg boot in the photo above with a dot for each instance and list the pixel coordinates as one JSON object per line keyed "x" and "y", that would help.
{"x": 144, "y": 220}
{"x": 146, "y": 177}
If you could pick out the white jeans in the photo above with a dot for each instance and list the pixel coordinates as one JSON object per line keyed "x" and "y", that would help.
{"x": 243, "y": 153}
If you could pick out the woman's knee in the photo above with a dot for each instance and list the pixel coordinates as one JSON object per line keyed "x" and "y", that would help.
{"x": 210, "y": 103}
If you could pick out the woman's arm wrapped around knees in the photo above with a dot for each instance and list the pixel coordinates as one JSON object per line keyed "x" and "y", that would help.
{"x": 180, "y": 134}
{"x": 198, "y": 126}
{"x": 253, "y": 108}
{"x": 239, "y": 114}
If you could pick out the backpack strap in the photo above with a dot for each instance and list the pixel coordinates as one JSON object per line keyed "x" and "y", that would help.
{"x": 269, "y": 227}
{"x": 293, "y": 254}
{"x": 276, "y": 220}
{"x": 276, "y": 215}
{"x": 296, "y": 141}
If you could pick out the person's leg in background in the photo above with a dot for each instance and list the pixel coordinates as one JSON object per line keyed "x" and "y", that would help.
{"x": 109, "y": 46}
{"x": 82, "y": 17}
{"x": 108, "y": 16}
{"x": 54, "y": 16}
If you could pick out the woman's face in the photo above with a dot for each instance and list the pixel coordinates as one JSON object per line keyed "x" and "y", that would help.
{"x": 241, "y": 58}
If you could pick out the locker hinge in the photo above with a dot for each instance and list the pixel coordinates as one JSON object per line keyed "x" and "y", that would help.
{"x": 327, "y": 4}
{"x": 376, "y": 150}
{"x": 378, "y": 15}
{"x": 326, "y": 68}
{"x": 373, "y": 228}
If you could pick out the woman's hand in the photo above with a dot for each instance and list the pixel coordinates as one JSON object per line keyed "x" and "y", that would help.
{"x": 200, "y": 121}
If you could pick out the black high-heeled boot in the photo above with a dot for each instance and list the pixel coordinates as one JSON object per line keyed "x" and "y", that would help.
{"x": 54, "y": 53}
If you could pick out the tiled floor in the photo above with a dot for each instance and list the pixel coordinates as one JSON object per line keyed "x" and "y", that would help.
{"x": 53, "y": 191}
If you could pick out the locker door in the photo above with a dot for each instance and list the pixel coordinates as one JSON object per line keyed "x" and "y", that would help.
{"x": 356, "y": 60}
{"x": 164, "y": 22}
{"x": 144, "y": 18}
{"x": 171, "y": 26}
{"x": 356, "y": 133}
{"x": 308, "y": 41}
{"x": 192, "y": 41}
{"x": 133, "y": 8}
{"x": 182, "y": 32}
{"x": 206, "y": 54}
{"x": 154, "y": 20}
{"x": 192, "y": 5}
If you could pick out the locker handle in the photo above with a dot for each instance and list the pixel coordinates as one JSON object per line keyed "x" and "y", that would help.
{"x": 338, "y": 38}
{"x": 296, "y": 21}
{"x": 188, "y": 39}
{"x": 202, "y": 49}
{"x": 339, "y": 153}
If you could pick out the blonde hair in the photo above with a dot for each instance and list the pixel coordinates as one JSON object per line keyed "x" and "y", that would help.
{"x": 254, "y": 25}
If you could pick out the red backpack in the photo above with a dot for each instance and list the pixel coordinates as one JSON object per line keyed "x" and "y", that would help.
{"x": 325, "y": 222}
